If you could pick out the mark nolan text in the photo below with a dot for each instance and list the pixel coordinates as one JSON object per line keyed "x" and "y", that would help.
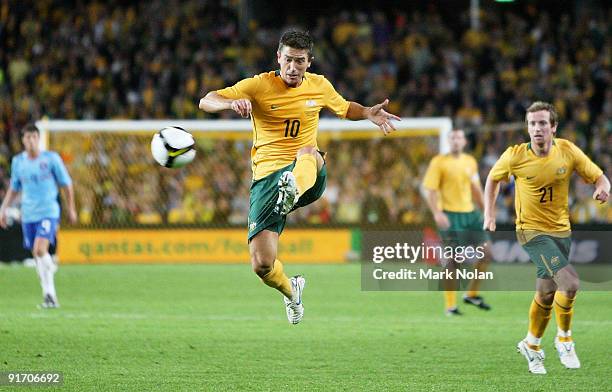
{"x": 406, "y": 274}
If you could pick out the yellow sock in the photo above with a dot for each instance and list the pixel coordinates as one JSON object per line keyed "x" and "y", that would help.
{"x": 277, "y": 279}
{"x": 305, "y": 172}
{"x": 475, "y": 283}
{"x": 564, "y": 310}
{"x": 450, "y": 299}
{"x": 539, "y": 315}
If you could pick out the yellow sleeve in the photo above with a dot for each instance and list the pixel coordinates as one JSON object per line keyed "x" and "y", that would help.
{"x": 589, "y": 171}
{"x": 501, "y": 171}
{"x": 334, "y": 101}
{"x": 432, "y": 175}
{"x": 246, "y": 88}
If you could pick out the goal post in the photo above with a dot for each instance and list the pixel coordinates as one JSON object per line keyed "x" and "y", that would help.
{"x": 240, "y": 129}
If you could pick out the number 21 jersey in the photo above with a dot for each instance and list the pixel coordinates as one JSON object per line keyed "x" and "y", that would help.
{"x": 542, "y": 183}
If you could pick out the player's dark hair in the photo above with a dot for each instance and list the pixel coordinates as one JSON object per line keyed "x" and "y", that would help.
{"x": 29, "y": 127}
{"x": 297, "y": 40}
{"x": 539, "y": 106}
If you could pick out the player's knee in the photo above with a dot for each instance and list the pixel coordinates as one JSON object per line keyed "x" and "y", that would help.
{"x": 261, "y": 264}
{"x": 571, "y": 287}
{"x": 567, "y": 280}
{"x": 546, "y": 298}
{"x": 262, "y": 269}
{"x": 39, "y": 252}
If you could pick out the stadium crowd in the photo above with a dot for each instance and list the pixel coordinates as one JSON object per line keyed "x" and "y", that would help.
{"x": 155, "y": 60}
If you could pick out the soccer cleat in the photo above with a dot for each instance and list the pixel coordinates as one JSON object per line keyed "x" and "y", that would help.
{"x": 295, "y": 307}
{"x": 535, "y": 358}
{"x": 567, "y": 354}
{"x": 287, "y": 193}
{"x": 452, "y": 312}
{"x": 477, "y": 301}
{"x": 49, "y": 302}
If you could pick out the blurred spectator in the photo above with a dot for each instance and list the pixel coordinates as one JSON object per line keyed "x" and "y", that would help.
{"x": 97, "y": 60}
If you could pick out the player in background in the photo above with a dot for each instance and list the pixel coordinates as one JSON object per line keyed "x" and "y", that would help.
{"x": 542, "y": 169}
{"x": 38, "y": 175}
{"x": 288, "y": 170}
{"x": 451, "y": 186}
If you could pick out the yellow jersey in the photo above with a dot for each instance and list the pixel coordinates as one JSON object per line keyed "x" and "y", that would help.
{"x": 452, "y": 176}
{"x": 542, "y": 184}
{"x": 284, "y": 118}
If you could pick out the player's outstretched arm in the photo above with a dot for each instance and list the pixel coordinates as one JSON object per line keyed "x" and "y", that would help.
{"x": 377, "y": 114}
{"x": 213, "y": 103}
{"x": 602, "y": 189}
{"x": 490, "y": 195}
{"x": 8, "y": 200}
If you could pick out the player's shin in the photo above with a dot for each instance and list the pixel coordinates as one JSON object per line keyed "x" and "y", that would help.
{"x": 42, "y": 275}
{"x": 305, "y": 172}
{"x": 539, "y": 315}
{"x": 46, "y": 269}
{"x": 564, "y": 311}
{"x": 450, "y": 286}
{"x": 277, "y": 279}
{"x": 474, "y": 286}
{"x": 450, "y": 299}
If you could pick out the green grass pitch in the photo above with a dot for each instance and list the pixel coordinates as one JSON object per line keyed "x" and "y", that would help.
{"x": 217, "y": 327}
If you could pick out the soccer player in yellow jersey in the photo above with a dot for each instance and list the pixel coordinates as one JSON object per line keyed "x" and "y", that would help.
{"x": 288, "y": 170}
{"x": 451, "y": 186}
{"x": 542, "y": 169}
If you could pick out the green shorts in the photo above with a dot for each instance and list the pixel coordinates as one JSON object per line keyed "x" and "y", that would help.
{"x": 548, "y": 253}
{"x": 263, "y": 197}
{"x": 465, "y": 229}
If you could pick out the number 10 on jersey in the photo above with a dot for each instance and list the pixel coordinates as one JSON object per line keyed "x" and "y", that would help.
{"x": 292, "y": 127}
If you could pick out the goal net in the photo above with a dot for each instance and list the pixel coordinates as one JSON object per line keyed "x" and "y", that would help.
{"x": 373, "y": 179}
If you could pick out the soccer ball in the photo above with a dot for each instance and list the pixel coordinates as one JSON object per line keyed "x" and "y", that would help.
{"x": 173, "y": 147}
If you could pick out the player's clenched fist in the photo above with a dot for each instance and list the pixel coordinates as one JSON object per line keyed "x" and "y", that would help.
{"x": 242, "y": 107}
{"x": 601, "y": 195}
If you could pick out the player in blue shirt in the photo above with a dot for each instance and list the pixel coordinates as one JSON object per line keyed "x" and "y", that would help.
{"x": 38, "y": 175}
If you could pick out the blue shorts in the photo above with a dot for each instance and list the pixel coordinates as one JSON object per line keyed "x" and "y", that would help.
{"x": 46, "y": 228}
